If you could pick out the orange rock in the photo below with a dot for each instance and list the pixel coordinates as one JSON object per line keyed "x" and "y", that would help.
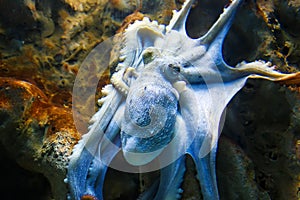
{"x": 37, "y": 134}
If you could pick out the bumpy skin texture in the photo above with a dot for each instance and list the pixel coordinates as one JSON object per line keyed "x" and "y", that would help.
{"x": 166, "y": 100}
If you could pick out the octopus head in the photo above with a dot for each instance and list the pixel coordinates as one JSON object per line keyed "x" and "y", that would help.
{"x": 149, "y": 121}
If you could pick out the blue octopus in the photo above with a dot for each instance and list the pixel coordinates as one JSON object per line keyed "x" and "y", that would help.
{"x": 166, "y": 99}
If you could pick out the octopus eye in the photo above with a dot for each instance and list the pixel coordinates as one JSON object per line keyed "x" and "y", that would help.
{"x": 172, "y": 71}
{"x": 175, "y": 68}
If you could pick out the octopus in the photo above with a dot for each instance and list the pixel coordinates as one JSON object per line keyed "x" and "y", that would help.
{"x": 166, "y": 100}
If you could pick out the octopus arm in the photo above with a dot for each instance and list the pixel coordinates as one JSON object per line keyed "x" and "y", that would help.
{"x": 171, "y": 176}
{"x": 213, "y": 100}
{"x": 218, "y": 31}
{"x": 84, "y": 163}
{"x": 168, "y": 186}
{"x": 108, "y": 148}
{"x": 207, "y": 64}
{"x": 179, "y": 18}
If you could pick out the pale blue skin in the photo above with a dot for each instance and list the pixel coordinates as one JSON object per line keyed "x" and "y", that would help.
{"x": 209, "y": 84}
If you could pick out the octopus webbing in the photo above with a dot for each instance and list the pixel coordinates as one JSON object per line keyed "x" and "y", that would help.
{"x": 166, "y": 100}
